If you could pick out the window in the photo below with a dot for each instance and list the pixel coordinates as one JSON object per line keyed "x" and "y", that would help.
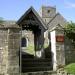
{"x": 48, "y": 11}
{"x": 23, "y": 42}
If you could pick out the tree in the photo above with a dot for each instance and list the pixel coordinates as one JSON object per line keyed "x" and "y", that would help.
{"x": 70, "y": 31}
{"x": 1, "y": 20}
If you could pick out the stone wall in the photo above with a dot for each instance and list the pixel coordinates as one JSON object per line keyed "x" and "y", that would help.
{"x": 41, "y": 73}
{"x": 69, "y": 51}
{"x": 58, "y": 72}
{"x": 3, "y": 51}
{"x": 14, "y": 38}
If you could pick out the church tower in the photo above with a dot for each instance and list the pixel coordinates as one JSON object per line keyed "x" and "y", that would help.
{"x": 47, "y": 13}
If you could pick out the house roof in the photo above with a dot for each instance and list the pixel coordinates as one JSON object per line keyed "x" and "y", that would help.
{"x": 35, "y": 13}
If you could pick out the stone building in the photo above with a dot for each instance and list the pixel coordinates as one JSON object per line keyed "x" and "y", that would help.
{"x": 37, "y": 38}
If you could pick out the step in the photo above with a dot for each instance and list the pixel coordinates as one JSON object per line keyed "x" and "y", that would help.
{"x": 36, "y": 64}
{"x": 34, "y": 69}
{"x": 37, "y": 60}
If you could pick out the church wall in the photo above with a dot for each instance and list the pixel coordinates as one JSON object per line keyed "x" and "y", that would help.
{"x": 47, "y": 13}
{"x": 29, "y": 36}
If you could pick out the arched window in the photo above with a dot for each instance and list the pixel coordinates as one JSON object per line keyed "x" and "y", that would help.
{"x": 23, "y": 42}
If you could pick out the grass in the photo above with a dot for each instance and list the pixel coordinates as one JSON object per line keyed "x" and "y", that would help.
{"x": 30, "y": 49}
{"x": 46, "y": 45}
{"x": 70, "y": 68}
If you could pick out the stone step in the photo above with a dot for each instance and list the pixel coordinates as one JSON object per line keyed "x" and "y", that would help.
{"x": 33, "y": 65}
{"x": 35, "y": 69}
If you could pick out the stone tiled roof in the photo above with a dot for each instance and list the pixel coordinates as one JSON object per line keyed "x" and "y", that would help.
{"x": 58, "y": 19}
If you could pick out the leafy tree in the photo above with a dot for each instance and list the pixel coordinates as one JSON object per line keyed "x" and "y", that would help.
{"x": 70, "y": 31}
{"x": 1, "y": 20}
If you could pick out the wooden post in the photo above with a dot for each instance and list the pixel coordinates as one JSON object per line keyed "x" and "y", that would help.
{"x": 39, "y": 44}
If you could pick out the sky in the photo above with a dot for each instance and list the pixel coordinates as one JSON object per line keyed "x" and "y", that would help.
{"x": 14, "y": 9}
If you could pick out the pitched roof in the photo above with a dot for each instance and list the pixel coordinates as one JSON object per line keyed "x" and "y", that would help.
{"x": 35, "y": 13}
{"x": 57, "y": 27}
{"x": 58, "y": 19}
{"x": 52, "y": 19}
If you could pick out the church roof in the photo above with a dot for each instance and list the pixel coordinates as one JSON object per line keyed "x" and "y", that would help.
{"x": 58, "y": 19}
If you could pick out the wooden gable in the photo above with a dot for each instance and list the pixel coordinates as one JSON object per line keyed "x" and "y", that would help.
{"x": 31, "y": 20}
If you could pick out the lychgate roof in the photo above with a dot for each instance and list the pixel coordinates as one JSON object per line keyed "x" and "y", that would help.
{"x": 34, "y": 15}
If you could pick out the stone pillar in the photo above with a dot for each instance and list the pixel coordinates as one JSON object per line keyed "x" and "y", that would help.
{"x": 53, "y": 50}
{"x": 57, "y": 48}
{"x": 60, "y": 42}
{"x": 13, "y": 51}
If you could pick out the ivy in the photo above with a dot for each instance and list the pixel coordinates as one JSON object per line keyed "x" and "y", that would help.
{"x": 70, "y": 31}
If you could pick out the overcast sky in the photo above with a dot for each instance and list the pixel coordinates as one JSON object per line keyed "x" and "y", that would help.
{"x": 13, "y": 9}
